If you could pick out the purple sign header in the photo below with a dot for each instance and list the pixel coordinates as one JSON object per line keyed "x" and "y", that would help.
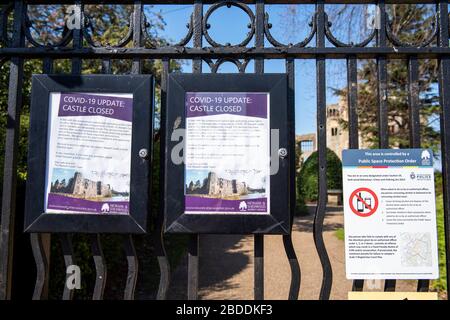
{"x": 64, "y": 203}
{"x": 83, "y": 104}
{"x": 251, "y": 104}
{"x": 202, "y": 204}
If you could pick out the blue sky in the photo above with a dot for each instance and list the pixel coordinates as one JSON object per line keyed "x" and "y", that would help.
{"x": 230, "y": 25}
{"x": 225, "y": 30}
{"x": 60, "y": 174}
{"x": 194, "y": 175}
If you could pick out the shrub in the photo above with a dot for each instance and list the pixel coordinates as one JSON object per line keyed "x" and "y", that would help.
{"x": 440, "y": 284}
{"x": 300, "y": 206}
{"x": 307, "y": 180}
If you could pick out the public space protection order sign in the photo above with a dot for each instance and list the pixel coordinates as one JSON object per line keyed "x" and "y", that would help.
{"x": 389, "y": 214}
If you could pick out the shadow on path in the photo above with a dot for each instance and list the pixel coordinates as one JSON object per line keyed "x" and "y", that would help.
{"x": 305, "y": 223}
{"x": 222, "y": 257}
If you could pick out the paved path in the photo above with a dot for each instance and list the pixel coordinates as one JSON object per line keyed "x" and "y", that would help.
{"x": 226, "y": 264}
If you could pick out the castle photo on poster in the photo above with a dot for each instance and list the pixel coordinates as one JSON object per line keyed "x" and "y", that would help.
{"x": 208, "y": 184}
{"x": 72, "y": 183}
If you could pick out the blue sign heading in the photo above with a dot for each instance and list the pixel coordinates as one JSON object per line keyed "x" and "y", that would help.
{"x": 387, "y": 157}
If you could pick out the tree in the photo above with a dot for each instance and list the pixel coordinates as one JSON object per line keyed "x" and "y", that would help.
{"x": 110, "y": 24}
{"x": 411, "y": 24}
{"x": 307, "y": 180}
{"x": 47, "y": 26}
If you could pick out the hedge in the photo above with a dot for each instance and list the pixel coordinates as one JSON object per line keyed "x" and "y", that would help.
{"x": 307, "y": 180}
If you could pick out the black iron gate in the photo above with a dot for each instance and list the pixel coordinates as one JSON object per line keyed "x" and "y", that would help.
{"x": 21, "y": 46}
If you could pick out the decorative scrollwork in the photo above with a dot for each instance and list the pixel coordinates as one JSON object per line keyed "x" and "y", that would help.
{"x": 304, "y": 43}
{"x": 3, "y": 61}
{"x": 339, "y": 43}
{"x": 187, "y": 38}
{"x": 214, "y": 66}
{"x": 184, "y": 41}
{"x": 397, "y": 42}
{"x": 229, "y": 4}
{"x": 147, "y": 38}
{"x": 65, "y": 40}
{"x": 86, "y": 24}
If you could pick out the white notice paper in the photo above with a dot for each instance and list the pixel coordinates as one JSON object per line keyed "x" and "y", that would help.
{"x": 390, "y": 214}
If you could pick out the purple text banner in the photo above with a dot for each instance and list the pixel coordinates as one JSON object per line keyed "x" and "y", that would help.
{"x": 251, "y": 104}
{"x": 83, "y": 104}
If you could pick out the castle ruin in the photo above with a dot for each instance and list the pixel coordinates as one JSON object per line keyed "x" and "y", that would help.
{"x": 81, "y": 187}
{"x": 217, "y": 187}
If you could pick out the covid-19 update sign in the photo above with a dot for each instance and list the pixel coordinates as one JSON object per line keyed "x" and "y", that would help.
{"x": 89, "y": 147}
{"x": 228, "y": 154}
{"x": 390, "y": 214}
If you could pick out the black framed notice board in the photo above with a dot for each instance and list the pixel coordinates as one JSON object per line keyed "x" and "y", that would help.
{"x": 89, "y": 153}
{"x": 227, "y": 162}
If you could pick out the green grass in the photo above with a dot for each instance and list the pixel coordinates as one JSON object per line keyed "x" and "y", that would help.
{"x": 339, "y": 233}
{"x": 441, "y": 283}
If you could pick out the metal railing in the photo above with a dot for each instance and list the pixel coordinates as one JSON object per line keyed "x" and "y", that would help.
{"x": 137, "y": 46}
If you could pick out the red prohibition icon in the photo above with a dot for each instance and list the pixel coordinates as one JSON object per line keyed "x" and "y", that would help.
{"x": 366, "y": 202}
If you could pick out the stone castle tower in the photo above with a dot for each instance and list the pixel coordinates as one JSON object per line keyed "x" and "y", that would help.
{"x": 337, "y": 136}
{"x": 82, "y": 187}
{"x": 211, "y": 183}
{"x": 215, "y": 186}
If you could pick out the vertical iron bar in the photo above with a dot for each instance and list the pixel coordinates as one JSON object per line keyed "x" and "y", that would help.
{"x": 287, "y": 239}
{"x": 106, "y": 66}
{"x": 258, "y": 239}
{"x": 66, "y": 239}
{"x": 322, "y": 157}
{"x": 193, "y": 248}
{"x": 10, "y": 160}
{"x": 423, "y": 285}
{"x": 41, "y": 242}
{"x": 194, "y": 240}
{"x": 358, "y": 285}
{"x": 4, "y": 22}
{"x": 414, "y": 130}
{"x": 258, "y": 266}
{"x": 77, "y": 42}
{"x": 197, "y": 34}
{"x": 414, "y": 103}
{"x": 352, "y": 97}
{"x": 259, "y": 34}
{"x": 101, "y": 270}
{"x": 158, "y": 234}
{"x": 353, "y": 137}
{"x": 67, "y": 249}
{"x": 137, "y": 36}
{"x": 382, "y": 82}
{"x": 100, "y": 267}
{"x": 130, "y": 251}
{"x": 132, "y": 263}
{"x": 444, "y": 90}
{"x": 47, "y": 65}
{"x": 383, "y": 137}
